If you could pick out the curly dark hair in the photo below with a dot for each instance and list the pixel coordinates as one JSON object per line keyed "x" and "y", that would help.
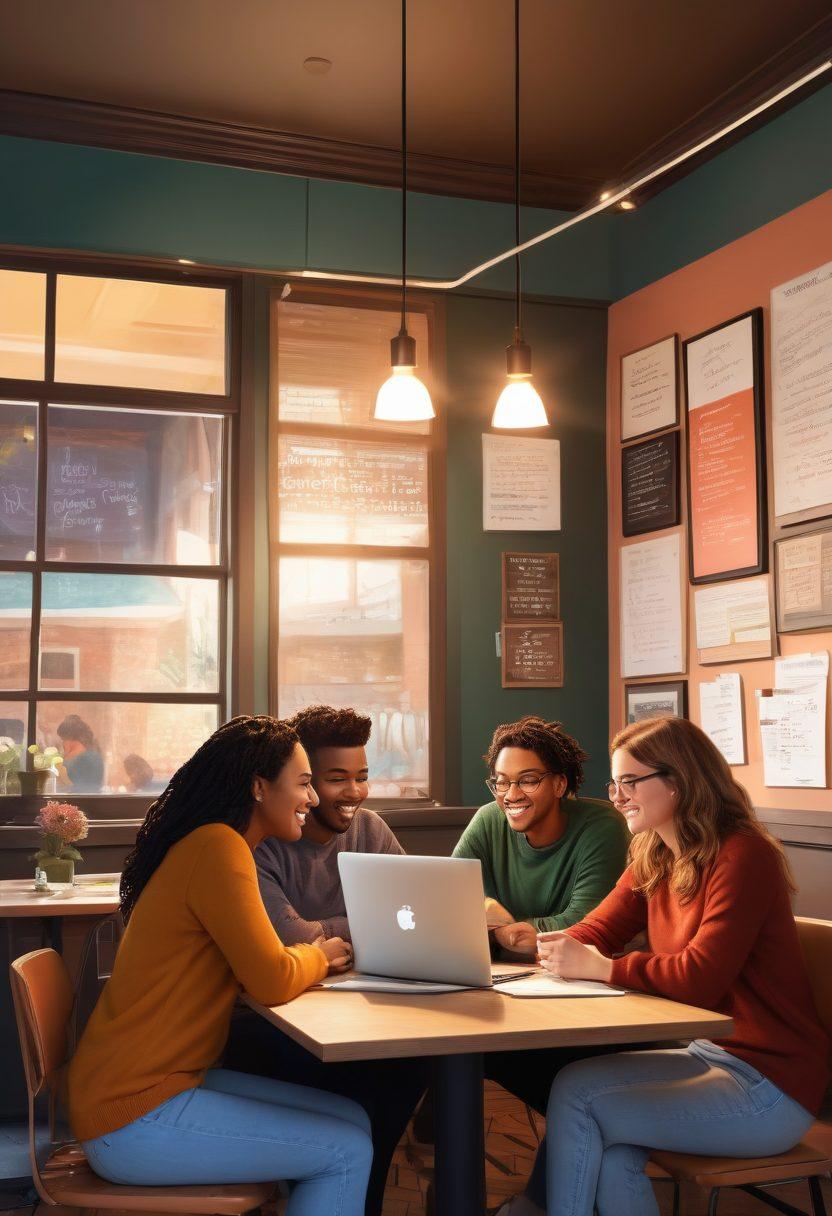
{"x": 75, "y": 728}
{"x": 561, "y": 754}
{"x": 324, "y": 726}
{"x": 214, "y": 786}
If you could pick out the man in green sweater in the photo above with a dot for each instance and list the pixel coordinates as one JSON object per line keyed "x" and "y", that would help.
{"x": 548, "y": 857}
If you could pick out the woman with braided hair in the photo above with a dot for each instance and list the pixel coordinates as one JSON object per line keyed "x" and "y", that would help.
{"x": 144, "y": 1098}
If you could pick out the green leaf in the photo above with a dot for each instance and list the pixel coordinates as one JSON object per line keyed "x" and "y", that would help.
{"x": 69, "y": 852}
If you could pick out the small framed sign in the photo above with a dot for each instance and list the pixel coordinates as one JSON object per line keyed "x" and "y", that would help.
{"x": 531, "y": 586}
{"x": 803, "y": 581}
{"x": 533, "y": 656}
{"x": 666, "y": 700}
{"x": 650, "y": 389}
{"x": 650, "y": 485}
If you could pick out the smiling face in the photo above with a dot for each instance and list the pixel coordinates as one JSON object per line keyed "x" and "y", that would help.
{"x": 650, "y": 804}
{"x": 534, "y": 812}
{"x": 340, "y": 778}
{"x": 281, "y": 805}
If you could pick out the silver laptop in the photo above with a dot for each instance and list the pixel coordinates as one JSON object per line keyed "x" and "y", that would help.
{"x": 419, "y": 918}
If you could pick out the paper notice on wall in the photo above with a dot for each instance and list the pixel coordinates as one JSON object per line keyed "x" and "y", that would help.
{"x": 652, "y": 636}
{"x": 793, "y": 722}
{"x": 520, "y": 484}
{"x": 720, "y": 715}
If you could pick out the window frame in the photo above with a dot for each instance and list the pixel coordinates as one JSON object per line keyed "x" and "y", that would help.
{"x": 49, "y": 392}
{"x": 434, "y": 442}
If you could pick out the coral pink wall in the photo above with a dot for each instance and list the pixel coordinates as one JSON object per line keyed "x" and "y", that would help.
{"x": 720, "y": 286}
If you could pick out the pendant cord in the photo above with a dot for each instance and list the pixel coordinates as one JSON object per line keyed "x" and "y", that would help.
{"x": 404, "y": 167}
{"x": 517, "y": 313}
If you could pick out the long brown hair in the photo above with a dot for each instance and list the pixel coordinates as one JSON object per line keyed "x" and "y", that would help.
{"x": 710, "y": 806}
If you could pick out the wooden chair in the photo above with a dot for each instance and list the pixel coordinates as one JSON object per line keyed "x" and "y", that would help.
{"x": 808, "y": 1161}
{"x": 43, "y": 1001}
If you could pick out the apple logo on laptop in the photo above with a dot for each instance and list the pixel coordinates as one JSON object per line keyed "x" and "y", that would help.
{"x": 405, "y": 917}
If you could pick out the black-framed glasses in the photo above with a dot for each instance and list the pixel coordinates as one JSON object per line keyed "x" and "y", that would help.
{"x": 627, "y": 784}
{"x": 527, "y": 783}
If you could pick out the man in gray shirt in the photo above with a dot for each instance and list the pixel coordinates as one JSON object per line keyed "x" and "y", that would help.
{"x": 299, "y": 882}
{"x": 301, "y": 890}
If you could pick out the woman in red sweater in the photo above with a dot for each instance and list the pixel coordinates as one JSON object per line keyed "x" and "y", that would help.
{"x": 711, "y": 888}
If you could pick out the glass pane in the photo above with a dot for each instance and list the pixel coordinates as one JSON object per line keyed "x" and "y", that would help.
{"x": 133, "y": 486}
{"x": 335, "y": 491}
{"x": 357, "y": 633}
{"x": 332, "y": 361}
{"x": 15, "y": 627}
{"x": 13, "y": 715}
{"x": 140, "y": 335}
{"x": 129, "y": 633}
{"x": 18, "y": 479}
{"x": 111, "y": 748}
{"x": 22, "y": 324}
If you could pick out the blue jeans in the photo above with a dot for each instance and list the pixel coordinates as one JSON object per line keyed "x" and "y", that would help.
{"x": 240, "y": 1128}
{"x": 605, "y": 1115}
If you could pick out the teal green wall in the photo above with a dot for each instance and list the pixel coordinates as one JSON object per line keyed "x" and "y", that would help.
{"x": 772, "y": 171}
{"x": 569, "y": 344}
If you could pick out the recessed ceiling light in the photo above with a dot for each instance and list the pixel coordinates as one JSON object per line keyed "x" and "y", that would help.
{"x": 627, "y": 204}
{"x": 605, "y": 194}
{"x": 186, "y": 262}
{"x": 316, "y": 66}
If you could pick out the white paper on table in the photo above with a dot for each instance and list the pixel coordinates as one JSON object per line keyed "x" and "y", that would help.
{"x": 652, "y": 642}
{"x": 545, "y": 984}
{"x": 801, "y": 381}
{"x": 728, "y": 613}
{"x": 520, "y": 484}
{"x": 720, "y": 715}
{"x": 793, "y": 735}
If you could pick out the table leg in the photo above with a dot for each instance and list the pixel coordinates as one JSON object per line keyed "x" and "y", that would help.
{"x": 460, "y": 1148}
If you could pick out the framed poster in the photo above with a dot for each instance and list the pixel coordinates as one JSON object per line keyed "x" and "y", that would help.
{"x": 726, "y": 483}
{"x": 734, "y": 621}
{"x": 650, "y": 388}
{"x": 520, "y": 484}
{"x": 533, "y": 656}
{"x": 531, "y": 586}
{"x": 653, "y": 634}
{"x": 801, "y": 396}
{"x": 803, "y": 581}
{"x": 650, "y": 485}
{"x": 668, "y": 700}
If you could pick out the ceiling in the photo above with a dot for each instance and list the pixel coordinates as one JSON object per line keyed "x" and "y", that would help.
{"x": 605, "y": 83}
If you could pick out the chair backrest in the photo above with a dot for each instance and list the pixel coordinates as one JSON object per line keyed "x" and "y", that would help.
{"x": 43, "y": 997}
{"x": 816, "y": 945}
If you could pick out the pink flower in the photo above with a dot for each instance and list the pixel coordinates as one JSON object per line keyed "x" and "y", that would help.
{"x": 62, "y": 819}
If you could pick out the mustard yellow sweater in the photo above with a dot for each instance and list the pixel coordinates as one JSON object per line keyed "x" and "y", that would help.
{"x": 198, "y": 934}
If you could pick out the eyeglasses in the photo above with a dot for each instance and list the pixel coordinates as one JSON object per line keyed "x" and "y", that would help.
{"x": 627, "y": 784}
{"x": 527, "y": 784}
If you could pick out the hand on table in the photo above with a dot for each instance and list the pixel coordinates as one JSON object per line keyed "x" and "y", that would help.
{"x": 338, "y": 953}
{"x": 561, "y": 955}
{"x": 518, "y": 937}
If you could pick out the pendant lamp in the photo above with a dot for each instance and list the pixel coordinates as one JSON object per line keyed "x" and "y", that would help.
{"x": 519, "y": 405}
{"x": 403, "y": 397}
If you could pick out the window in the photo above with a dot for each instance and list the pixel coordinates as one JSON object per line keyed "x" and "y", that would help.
{"x": 354, "y": 505}
{"x": 115, "y": 407}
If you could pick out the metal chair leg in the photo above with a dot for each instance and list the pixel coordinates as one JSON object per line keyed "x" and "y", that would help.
{"x": 816, "y": 1193}
{"x": 675, "y": 1198}
{"x": 713, "y": 1200}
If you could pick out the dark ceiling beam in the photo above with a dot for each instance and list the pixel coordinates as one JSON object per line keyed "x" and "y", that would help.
{"x": 36, "y": 116}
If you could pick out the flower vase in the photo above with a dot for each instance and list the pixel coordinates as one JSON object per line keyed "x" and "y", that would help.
{"x": 60, "y": 872}
{"x": 34, "y": 781}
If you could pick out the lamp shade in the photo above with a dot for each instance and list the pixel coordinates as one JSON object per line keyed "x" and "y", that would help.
{"x": 519, "y": 406}
{"x": 403, "y": 398}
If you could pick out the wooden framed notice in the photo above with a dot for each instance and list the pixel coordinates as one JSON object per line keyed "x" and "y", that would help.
{"x": 531, "y": 587}
{"x": 801, "y": 396}
{"x": 726, "y": 483}
{"x": 803, "y": 581}
{"x": 650, "y": 485}
{"x": 650, "y": 388}
{"x": 734, "y": 621}
{"x": 533, "y": 655}
{"x": 666, "y": 700}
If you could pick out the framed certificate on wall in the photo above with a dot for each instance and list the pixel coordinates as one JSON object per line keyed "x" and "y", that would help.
{"x": 726, "y": 483}
{"x": 650, "y": 388}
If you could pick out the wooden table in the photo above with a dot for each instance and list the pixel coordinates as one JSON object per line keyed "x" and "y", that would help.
{"x": 68, "y": 917}
{"x": 455, "y": 1029}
